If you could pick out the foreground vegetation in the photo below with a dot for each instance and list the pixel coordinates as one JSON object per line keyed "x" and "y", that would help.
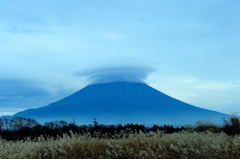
{"x": 69, "y": 141}
{"x": 152, "y": 145}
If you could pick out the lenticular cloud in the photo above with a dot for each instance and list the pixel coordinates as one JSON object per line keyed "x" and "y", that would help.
{"x": 126, "y": 73}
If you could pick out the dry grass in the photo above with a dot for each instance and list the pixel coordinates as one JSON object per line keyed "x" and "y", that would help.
{"x": 184, "y": 145}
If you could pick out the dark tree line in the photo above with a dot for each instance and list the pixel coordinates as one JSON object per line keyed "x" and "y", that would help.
{"x": 17, "y": 123}
{"x": 19, "y": 128}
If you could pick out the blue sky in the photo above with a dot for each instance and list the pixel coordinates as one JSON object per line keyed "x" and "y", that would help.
{"x": 193, "y": 46}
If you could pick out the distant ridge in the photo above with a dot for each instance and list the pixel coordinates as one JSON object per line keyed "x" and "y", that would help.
{"x": 122, "y": 102}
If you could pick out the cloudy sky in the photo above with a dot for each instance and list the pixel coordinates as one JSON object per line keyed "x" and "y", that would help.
{"x": 187, "y": 49}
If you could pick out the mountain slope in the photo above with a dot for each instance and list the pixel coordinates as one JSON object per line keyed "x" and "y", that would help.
{"x": 121, "y": 102}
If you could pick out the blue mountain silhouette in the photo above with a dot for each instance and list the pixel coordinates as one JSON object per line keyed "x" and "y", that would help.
{"x": 122, "y": 102}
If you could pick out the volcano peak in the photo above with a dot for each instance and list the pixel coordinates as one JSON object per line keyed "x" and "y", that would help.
{"x": 122, "y": 102}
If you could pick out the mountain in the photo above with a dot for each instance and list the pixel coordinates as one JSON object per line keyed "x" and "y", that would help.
{"x": 121, "y": 102}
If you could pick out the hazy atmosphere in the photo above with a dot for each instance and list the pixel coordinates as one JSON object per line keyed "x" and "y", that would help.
{"x": 189, "y": 50}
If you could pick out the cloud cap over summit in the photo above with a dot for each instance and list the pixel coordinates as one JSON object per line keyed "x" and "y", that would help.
{"x": 117, "y": 73}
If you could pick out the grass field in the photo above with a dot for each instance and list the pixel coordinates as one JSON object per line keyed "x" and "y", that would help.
{"x": 153, "y": 145}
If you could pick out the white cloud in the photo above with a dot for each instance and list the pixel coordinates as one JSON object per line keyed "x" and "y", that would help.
{"x": 216, "y": 95}
{"x": 117, "y": 72}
